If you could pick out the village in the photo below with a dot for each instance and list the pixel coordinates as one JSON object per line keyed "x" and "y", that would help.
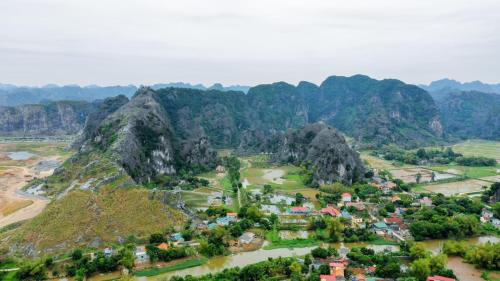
{"x": 270, "y": 217}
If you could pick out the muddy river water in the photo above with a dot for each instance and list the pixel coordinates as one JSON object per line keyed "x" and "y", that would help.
{"x": 465, "y": 271}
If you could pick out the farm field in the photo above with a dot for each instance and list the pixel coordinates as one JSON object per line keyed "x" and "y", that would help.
{"x": 286, "y": 179}
{"x": 409, "y": 175}
{"x": 457, "y": 187}
{"x": 479, "y": 148}
{"x": 470, "y": 172}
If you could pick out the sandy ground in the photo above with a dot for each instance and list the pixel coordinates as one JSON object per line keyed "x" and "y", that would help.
{"x": 12, "y": 179}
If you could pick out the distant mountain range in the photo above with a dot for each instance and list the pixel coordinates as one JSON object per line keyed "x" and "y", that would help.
{"x": 450, "y": 85}
{"x": 12, "y": 95}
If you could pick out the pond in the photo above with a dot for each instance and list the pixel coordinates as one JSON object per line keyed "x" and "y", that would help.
{"x": 20, "y": 155}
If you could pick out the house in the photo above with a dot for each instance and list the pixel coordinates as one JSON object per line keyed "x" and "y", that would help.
{"x": 486, "y": 216}
{"x": 360, "y": 206}
{"x": 337, "y": 269}
{"x": 426, "y": 202}
{"x": 346, "y": 197}
{"x": 331, "y": 211}
{"x": 393, "y": 220}
{"x": 380, "y": 228}
{"x": 270, "y": 209}
{"x": 360, "y": 277}
{"x": 163, "y": 246}
{"x": 246, "y": 238}
{"x": 220, "y": 169}
{"x": 327, "y": 278}
{"x": 439, "y": 278}
{"x": 346, "y": 215}
{"x": 300, "y": 211}
{"x": 212, "y": 226}
{"x": 177, "y": 237}
{"x": 223, "y": 221}
{"x": 357, "y": 220}
{"x": 108, "y": 252}
{"x": 391, "y": 185}
{"x": 395, "y": 198}
{"x": 279, "y": 199}
{"x": 141, "y": 255}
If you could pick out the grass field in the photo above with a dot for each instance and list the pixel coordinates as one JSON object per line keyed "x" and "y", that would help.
{"x": 479, "y": 148}
{"x": 11, "y": 207}
{"x": 182, "y": 265}
{"x": 195, "y": 199}
{"x": 276, "y": 243}
{"x": 470, "y": 172}
{"x": 109, "y": 213}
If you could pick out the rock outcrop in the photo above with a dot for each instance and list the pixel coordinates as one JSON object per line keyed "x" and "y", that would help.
{"x": 322, "y": 148}
{"x": 470, "y": 115}
{"x": 52, "y": 119}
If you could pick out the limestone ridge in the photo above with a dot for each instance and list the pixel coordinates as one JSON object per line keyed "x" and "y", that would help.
{"x": 55, "y": 118}
{"x": 319, "y": 146}
{"x": 141, "y": 137}
{"x": 174, "y": 131}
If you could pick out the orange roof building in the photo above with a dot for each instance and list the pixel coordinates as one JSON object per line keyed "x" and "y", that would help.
{"x": 327, "y": 278}
{"x": 163, "y": 246}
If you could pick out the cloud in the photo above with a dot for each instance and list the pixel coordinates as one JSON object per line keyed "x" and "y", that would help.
{"x": 245, "y": 42}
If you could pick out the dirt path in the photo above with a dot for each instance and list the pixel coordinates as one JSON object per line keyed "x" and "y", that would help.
{"x": 13, "y": 178}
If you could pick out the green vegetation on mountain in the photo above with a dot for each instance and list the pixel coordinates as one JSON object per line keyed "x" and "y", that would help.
{"x": 470, "y": 115}
{"x": 93, "y": 219}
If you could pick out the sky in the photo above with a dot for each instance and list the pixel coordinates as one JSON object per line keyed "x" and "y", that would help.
{"x": 110, "y": 42}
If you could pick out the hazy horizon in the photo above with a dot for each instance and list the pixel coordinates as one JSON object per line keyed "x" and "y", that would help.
{"x": 245, "y": 43}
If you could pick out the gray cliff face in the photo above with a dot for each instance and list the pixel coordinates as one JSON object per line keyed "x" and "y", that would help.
{"x": 323, "y": 148}
{"x": 94, "y": 119}
{"x": 58, "y": 118}
{"x": 142, "y": 139}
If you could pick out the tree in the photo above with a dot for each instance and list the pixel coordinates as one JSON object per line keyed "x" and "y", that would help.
{"x": 299, "y": 199}
{"x": 420, "y": 269}
{"x": 156, "y": 238}
{"x": 295, "y": 271}
{"x": 268, "y": 189}
{"x": 320, "y": 253}
{"x": 418, "y": 177}
{"x": 32, "y": 271}
{"x": 253, "y": 213}
{"x": 496, "y": 210}
{"x": 418, "y": 251}
{"x": 335, "y": 230}
{"x": 76, "y": 255}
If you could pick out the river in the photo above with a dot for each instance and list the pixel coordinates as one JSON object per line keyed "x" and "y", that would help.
{"x": 217, "y": 264}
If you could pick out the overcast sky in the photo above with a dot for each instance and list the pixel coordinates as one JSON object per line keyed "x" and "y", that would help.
{"x": 246, "y": 42}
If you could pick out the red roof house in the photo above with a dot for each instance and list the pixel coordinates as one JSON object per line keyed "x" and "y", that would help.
{"x": 331, "y": 211}
{"x": 439, "y": 278}
{"x": 327, "y": 278}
